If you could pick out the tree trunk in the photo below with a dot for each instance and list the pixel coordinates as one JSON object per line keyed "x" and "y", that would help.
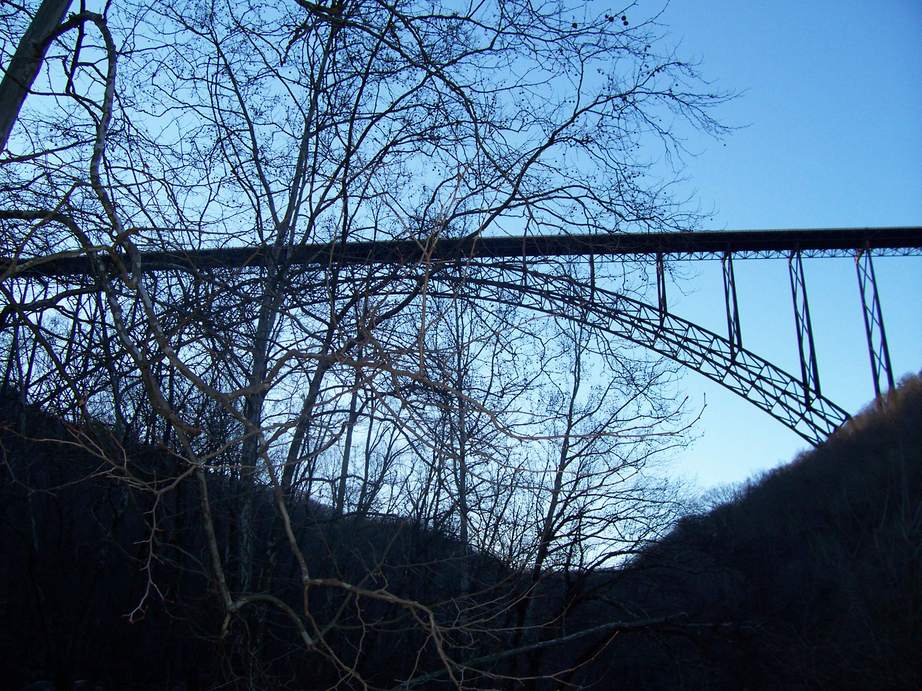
{"x": 26, "y": 62}
{"x": 347, "y": 448}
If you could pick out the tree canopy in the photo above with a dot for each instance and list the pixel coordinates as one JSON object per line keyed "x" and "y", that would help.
{"x": 426, "y": 391}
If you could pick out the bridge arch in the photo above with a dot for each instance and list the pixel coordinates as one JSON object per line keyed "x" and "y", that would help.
{"x": 773, "y": 390}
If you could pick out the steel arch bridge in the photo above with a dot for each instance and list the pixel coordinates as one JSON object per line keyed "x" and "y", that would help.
{"x": 797, "y": 402}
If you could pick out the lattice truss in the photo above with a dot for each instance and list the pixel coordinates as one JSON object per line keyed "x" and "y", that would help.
{"x": 794, "y": 402}
{"x": 770, "y": 388}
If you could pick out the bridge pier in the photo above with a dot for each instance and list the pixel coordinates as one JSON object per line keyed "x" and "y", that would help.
{"x": 809, "y": 370}
{"x": 873, "y": 322}
{"x": 661, "y": 287}
{"x": 734, "y": 333}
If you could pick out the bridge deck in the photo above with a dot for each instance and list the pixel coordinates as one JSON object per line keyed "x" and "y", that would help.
{"x": 824, "y": 242}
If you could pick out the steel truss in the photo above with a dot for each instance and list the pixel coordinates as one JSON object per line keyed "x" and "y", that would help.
{"x": 743, "y": 244}
{"x": 661, "y": 287}
{"x": 734, "y": 331}
{"x": 755, "y": 379}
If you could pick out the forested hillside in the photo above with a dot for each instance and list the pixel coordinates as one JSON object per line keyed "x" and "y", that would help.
{"x": 808, "y": 578}
{"x": 104, "y": 577}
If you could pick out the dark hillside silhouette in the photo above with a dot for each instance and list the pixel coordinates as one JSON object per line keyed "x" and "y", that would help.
{"x": 810, "y": 577}
{"x": 85, "y": 594}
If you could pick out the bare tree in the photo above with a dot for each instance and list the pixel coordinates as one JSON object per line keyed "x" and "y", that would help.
{"x": 192, "y": 124}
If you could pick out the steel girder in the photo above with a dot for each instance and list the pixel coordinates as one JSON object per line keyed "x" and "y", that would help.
{"x": 743, "y": 244}
{"x": 755, "y": 379}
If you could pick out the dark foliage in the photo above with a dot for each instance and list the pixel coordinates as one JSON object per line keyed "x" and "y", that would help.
{"x": 809, "y": 578}
{"x": 104, "y": 581}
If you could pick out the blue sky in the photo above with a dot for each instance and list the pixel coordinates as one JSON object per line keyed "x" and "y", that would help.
{"x": 831, "y": 136}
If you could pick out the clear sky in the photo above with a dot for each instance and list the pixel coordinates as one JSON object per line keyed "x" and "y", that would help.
{"x": 832, "y": 108}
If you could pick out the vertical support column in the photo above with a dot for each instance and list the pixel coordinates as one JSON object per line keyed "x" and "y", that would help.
{"x": 873, "y": 322}
{"x": 661, "y": 287}
{"x": 808, "y": 368}
{"x": 734, "y": 334}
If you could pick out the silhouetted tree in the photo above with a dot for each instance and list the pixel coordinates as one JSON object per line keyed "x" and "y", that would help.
{"x": 181, "y": 125}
